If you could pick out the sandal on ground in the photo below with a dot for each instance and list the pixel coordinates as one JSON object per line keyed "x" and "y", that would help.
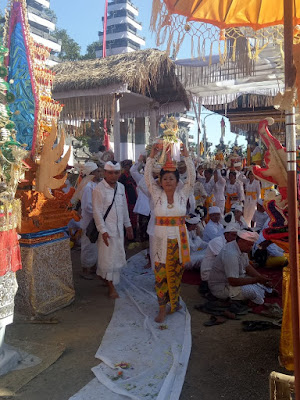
{"x": 251, "y": 326}
{"x": 202, "y": 308}
{"x": 239, "y": 309}
{"x": 215, "y": 321}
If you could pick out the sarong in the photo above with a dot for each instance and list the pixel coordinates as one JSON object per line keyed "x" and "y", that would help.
{"x": 168, "y": 277}
{"x": 231, "y": 198}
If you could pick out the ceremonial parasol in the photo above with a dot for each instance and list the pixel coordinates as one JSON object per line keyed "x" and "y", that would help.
{"x": 256, "y": 14}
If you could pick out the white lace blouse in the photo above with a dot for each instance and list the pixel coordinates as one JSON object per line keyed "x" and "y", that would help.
{"x": 159, "y": 197}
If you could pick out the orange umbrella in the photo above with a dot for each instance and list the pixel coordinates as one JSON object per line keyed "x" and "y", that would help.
{"x": 233, "y": 13}
{"x": 257, "y": 14}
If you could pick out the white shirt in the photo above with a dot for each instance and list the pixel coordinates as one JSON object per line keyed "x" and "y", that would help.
{"x": 219, "y": 187}
{"x": 86, "y": 204}
{"x": 234, "y": 188}
{"x": 142, "y": 205}
{"x": 209, "y": 186}
{"x": 196, "y": 242}
{"x": 259, "y": 218}
{"x": 273, "y": 250}
{"x": 229, "y": 263}
{"x": 159, "y": 198}
{"x": 118, "y": 216}
{"x": 253, "y": 187}
{"x": 212, "y": 230}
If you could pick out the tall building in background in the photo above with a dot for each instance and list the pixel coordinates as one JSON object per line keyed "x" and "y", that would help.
{"x": 122, "y": 29}
{"x": 42, "y": 23}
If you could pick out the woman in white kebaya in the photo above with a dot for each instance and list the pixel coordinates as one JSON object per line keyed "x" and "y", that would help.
{"x": 252, "y": 195}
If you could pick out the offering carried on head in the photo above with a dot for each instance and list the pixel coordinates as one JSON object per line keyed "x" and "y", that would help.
{"x": 169, "y": 144}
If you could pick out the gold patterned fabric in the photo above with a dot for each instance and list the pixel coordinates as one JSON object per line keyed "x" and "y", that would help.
{"x": 46, "y": 280}
{"x": 8, "y": 289}
{"x": 286, "y": 340}
{"x": 168, "y": 277}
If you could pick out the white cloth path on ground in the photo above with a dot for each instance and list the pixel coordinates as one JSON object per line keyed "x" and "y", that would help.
{"x": 158, "y": 358}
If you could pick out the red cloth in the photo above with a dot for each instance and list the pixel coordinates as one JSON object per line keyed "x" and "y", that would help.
{"x": 191, "y": 277}
{"x": 10, "y": 255}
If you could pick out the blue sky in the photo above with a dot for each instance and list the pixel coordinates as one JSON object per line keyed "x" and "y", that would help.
{"x": 83, "y": 20}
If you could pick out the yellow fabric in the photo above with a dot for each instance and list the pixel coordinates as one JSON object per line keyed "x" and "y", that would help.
{"x": 168, "y": 277}
{"x": 208, "y": 203}
{"x": 252, "y": 194}
{"x": 232, "y": 13}
{"x": 263, "y": 191}
{"x": 286, "y": 339}
{"x": 180, "y": 222}
{"x": 229, "y": 200}
{"x": 257, "y": 158}
{"x": 275, "y": 262}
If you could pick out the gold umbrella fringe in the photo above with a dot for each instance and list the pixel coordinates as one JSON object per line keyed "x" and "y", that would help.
{"x": 173, "y": 29}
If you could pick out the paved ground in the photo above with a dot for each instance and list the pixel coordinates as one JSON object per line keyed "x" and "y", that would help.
{"x": 226, "y": 363}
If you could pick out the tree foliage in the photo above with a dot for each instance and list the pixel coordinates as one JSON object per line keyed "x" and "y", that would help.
{"x": 91, "y": 51}
{"x": 2, "y": 23}
{"x": 70, "y": 50}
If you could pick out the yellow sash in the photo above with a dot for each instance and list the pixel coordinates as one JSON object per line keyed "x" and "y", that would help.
{"x": 252, "y": 194}
{"x": 263, "y": 191}
{"x": 229, "y": 197}
{"x": 180, "y": 222}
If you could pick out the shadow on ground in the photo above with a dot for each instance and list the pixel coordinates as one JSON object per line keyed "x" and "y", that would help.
{"x": 226, "y": 363}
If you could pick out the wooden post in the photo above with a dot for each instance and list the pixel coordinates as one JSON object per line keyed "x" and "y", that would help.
{"x": 153, "y": 121}
{"x": 281, "y": 386}
{"x": 292, "y": 189}
{"x": 116, "y": 130}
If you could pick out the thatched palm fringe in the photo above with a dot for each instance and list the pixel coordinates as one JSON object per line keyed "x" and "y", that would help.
{"x": 87, "y": 108}
{"x": 141, "y": 70}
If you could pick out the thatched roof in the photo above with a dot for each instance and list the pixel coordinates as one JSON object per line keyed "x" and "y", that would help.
{"x": 148, "y": 72}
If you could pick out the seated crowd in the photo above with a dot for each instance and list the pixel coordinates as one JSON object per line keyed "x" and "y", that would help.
{"x": 225, "y": 222}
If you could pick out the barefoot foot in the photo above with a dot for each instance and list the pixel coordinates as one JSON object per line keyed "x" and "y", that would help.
{"x": 113, "y": 294}
{"x": 161, "y": 315}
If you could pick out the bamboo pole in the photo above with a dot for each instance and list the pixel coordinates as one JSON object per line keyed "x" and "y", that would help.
{"x": 281, "y": 386}
{"x": 292, "y": 189}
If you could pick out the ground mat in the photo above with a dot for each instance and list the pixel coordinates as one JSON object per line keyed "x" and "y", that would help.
{"x": 140, "y": 358}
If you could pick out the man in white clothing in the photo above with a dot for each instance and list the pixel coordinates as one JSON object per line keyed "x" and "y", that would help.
{"x": 218, "y": 190}
{"x": 142, "y": 207}
{"x": 213, "y": 228}
{"x": 213, "y": 249}
{"x": 111, "y": 216}
{"x": 197, "y": 245}
{"x": 260, "y": 216}
{"x": 233, "y": 277}
{"x": 89, "y": 252}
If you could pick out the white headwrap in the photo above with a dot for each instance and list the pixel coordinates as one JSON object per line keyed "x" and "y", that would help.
{"x": 260, "y": 202}
{"x": 237, "y": 164}
{"x": 247, "y": 235}
{"x": 193, "y": 219}
{"x": 109, "y": 166}
{"x": 231, "y": 228}
{"x": 214, "y": 210}
{"x": 238, "y": 207}
{"x": 89, "y": 167}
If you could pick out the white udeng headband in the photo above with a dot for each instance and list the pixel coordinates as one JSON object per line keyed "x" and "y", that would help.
{"x": 109, "y": 166}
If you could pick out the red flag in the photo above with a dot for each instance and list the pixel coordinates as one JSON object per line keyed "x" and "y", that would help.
{"x": 104, "y": 30}
{"x": 106, "y": 135}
